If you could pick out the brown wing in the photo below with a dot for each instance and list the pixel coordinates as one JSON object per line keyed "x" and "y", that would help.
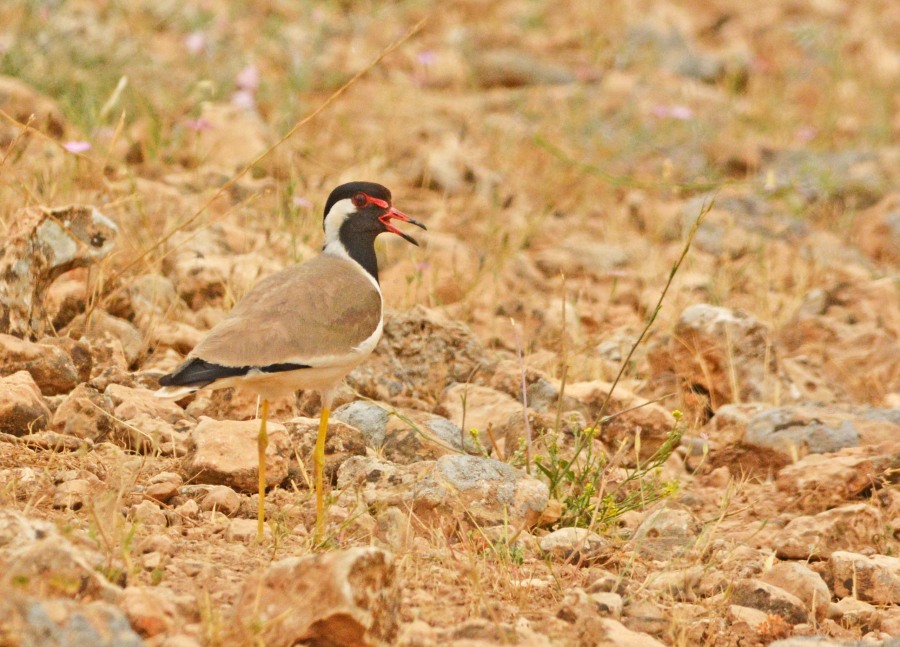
{"x": 304, "y": 314}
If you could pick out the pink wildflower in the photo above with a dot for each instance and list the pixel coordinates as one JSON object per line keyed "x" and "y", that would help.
{"x": 77, "y": 146}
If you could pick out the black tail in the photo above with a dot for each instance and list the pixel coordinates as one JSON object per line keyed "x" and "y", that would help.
{"x": 198, "y": 372}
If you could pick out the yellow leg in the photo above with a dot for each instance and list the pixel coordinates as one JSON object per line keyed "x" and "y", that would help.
{"x": 262, "y": 442}
{"x": 319, "y": 464}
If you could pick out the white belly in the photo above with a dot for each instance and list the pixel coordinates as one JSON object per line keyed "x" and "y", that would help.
{"x": 276, "y": 385}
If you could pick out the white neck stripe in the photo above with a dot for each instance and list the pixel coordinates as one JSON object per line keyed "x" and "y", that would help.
{"x": 333, "y": 246}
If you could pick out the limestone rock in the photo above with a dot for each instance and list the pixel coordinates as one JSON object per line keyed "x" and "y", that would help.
{"x": 149, "y": 610}
{"x": 30, "y": 620}
{"x": 856, "y": 613}
{"x": 17, "y": 530}
{"x": 482, "y": 491}
{"x": 715, "y": 350}
{"x": 798, "y": 431}
{"x": 223, "y": 499}
{"x": 615, "y": 634}
{"x": 130, "y": 402}
{"x": 85, "y": 413}
{"x": 477, "y": 407}
{"x": 802, "y": 581}
{"x": 342, "y": 442}
{"x": 147, "y": 513}
{"x": 421, "y": 351}
{"x": 22, "y": 410}
{"x": 225, "y": 453}
{"x": 404, "y": 435}
{"x": 873, "y": 579}
{"x": 149, "y": 434}
{"x": 41, "y": 245}
{"x": 163, "y": 486}
{"x": 771, "y": 599}
{"x": 100, "y": 325}
{"x": 52, "y": 566}
{"x": 370, "y": 418}
{"x": 340, "y": 598}
{"x": 821, "y": 481}
{"x": 665, "y": 533}
{"x": 381, "y": 482}
{"x": 73, "y": 494}
{"x": 52, "y": 369}
{"x": 412, "y": 436}
{"x": 577, "y": 545}
{"x": 849, "y": 527}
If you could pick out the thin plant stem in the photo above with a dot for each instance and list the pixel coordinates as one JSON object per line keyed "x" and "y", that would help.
{"x": 704, "y": 209}
{"x": 520, "y": 355}
{"x": 564, "y": 355}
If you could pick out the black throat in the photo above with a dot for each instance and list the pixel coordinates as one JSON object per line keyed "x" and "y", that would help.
{"x": 360, "y": 245}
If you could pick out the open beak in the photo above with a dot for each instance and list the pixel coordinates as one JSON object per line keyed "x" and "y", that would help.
{"x": 393, "y": 214}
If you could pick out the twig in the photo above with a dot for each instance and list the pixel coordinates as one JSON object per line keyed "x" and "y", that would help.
{"x": 519, "y": 354}
{"x": 29, "y": 128}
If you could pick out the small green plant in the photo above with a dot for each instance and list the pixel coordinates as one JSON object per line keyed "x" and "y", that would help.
{"x": 509, "y": 552}
{"x": 156, "y": 576}
{"x": 581, "y": 481}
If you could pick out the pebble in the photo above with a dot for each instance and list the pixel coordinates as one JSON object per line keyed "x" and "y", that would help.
{"x": 223, "y": 499}
{"x": 665, "y": 533}
{"x": 577, "y": 545}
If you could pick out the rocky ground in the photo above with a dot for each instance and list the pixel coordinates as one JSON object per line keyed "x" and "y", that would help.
{"x": 552, "y": 445}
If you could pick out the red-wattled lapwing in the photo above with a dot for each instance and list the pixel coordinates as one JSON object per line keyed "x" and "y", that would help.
{"x": 305, "y": 327}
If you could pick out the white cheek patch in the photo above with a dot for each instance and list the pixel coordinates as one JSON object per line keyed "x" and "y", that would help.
{"x": 340, "y": 211}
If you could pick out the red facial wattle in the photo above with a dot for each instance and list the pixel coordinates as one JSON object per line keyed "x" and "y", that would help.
{"x": 394, "y": 214}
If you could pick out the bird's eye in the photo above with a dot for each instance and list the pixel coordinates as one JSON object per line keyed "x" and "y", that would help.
{"x": 360, "y": 200}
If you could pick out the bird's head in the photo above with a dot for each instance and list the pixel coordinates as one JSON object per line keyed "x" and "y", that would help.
{"x": 359, "y": 211}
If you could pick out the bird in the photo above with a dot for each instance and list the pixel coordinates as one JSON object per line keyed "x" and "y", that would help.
{"x": 305, "y": 327}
